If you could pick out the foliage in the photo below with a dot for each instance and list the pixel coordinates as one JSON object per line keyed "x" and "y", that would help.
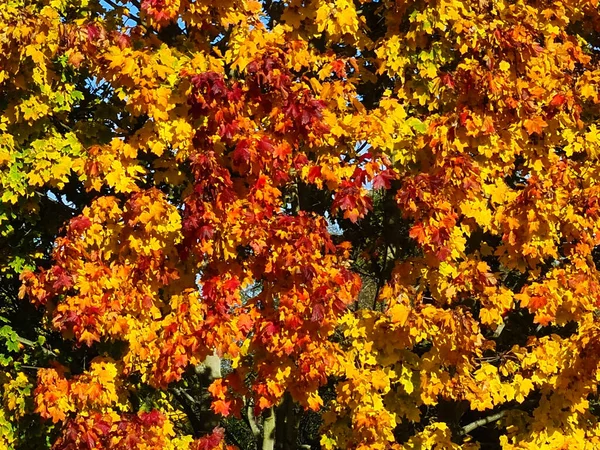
{"x": 377, "y": 218}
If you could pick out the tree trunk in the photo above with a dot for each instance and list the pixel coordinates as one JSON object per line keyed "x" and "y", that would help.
{"x": 287, "y": 425}
{"x": 269, "y": 429}
{"x": 208, "y": 371}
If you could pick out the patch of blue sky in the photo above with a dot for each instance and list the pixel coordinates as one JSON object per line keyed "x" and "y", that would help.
{"x": 62, "y": 199}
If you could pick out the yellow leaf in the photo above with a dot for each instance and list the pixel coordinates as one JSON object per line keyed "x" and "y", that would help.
{"x": 399, "y": 314}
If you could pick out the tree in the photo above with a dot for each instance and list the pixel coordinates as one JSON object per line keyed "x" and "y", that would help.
{"x": 299, "y": 224}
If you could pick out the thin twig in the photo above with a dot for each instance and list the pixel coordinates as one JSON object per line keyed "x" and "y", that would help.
{"x": 185, "y": 394}
{"x": 29, "y": 343}
{"x": 130, "y": 16}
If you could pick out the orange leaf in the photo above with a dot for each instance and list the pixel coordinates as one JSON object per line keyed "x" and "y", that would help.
{"x": 535, "y": 125}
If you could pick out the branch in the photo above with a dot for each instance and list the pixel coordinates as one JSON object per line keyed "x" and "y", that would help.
{"x": 185, "y": 394}
{"x": 499, "y": 330}
{"x": 29, "y": 343}
{"x": 184, "y": 400}
{"x": 58, "y": 124}
{"x": 363, "y": 273}
{"x": 382, "y": 270}
{"x": 362, "y": 147}
{"x": 478, "y": 423}
{"x": 130, "y": 16}
{"x": 252, "y": 421}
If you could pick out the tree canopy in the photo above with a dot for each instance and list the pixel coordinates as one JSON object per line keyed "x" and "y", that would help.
{"x": 294, "y": 224}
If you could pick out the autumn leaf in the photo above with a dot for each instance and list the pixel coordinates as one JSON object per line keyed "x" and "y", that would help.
{"x": 535, "y": 125}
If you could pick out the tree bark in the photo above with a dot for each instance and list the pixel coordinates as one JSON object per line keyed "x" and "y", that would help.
{"x": 287, "y": 425}
{"x": 251, "y": 419}
{"x": 208, "y": 371}
{"x": 269, "y": 430}
{"x": 478, "y": 423}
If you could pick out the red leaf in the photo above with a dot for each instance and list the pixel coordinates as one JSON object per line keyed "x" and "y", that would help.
{"x": 152, "y": 418}
{"x": 318, "y": 313}
{"x": 241, "y": 154}
{"x": 443, "y": 253}
{"x": 63, "y": 279}
{"x": 212, "y": 441}
{"x": 93, "y": 32}
{"x": 147, "y": 302}
{"x": 264, "y": 145}
{"x": 558, "y": 100}
{"x": 448, "y": 80}
{"x": 537, "y": 302}
{"x": 383, "y": 180}
{"x": 314, "y": 173}
{"x": 346, "y": 202}
{"x": 232, "y": 284}
{"x": 79, "y": 224}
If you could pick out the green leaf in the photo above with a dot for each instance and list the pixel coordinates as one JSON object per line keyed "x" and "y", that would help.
{"x": 11, "y": 338}
{"x": 77, "y": 95}
{"x": 417, "y": 125}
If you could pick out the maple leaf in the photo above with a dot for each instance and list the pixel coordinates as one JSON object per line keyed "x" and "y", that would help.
{"x": 558, "y": 100}
{"x": 417, "y": 232}
{"x": 537, "y": 302}
{"x": 383, "y": 180}
{"x": 399, "y": 314}
{"x": 152, "y": 418}
{"x": 80, "y": 224}
{"x": 535, "y": 125}
{"x": 221, "y": 407}
{"x": 212, "y": 441}
{"x": 318, "y": 313}
{"x": 218, "y": 389}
